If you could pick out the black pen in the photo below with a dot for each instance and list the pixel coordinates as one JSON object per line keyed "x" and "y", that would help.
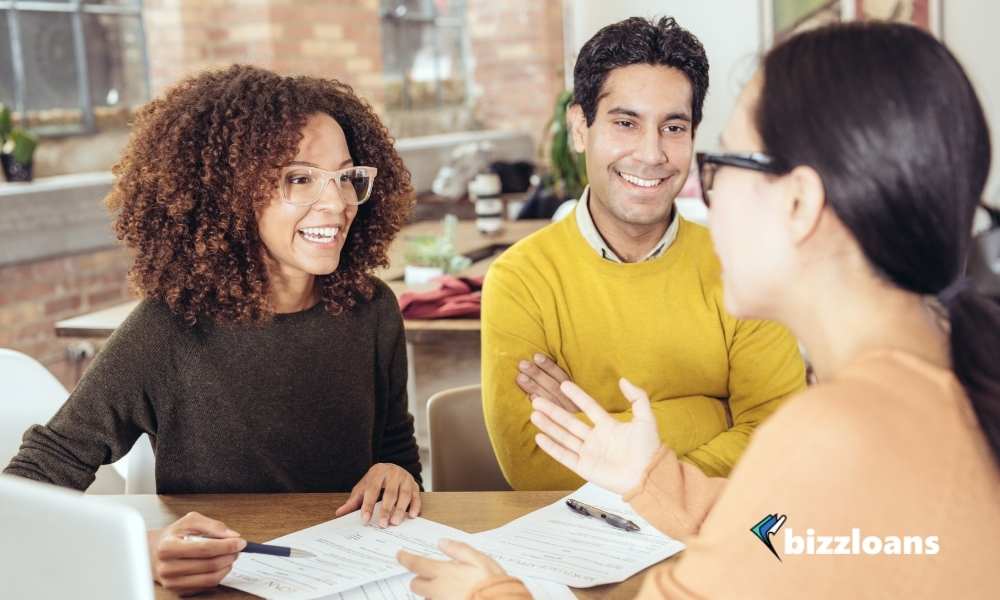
{"x": 609, "y": 518}
{"x": 256, "y": 548}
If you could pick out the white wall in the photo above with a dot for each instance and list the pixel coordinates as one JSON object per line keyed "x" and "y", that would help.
{"x": 970, "y": 31}
{"x": 729, "y": 29}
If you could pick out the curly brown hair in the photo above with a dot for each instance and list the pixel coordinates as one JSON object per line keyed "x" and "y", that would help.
{"x": 206, "y": 154}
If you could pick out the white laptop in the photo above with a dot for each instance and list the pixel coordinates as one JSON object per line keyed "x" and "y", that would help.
{"x": 59, "y": 544}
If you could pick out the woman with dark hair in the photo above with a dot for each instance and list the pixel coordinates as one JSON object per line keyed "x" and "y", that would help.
{"x": 264, "y": 357}
{"x": 842, "y": 209}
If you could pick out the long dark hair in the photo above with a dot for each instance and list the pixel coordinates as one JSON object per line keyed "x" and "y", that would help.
{"x": 887, "y": 117}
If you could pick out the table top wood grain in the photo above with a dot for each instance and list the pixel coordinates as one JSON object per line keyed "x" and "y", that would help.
{"x": 263, "y": 517}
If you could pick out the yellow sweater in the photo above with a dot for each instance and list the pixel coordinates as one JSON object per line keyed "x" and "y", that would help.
{"x": 661, "y": 323}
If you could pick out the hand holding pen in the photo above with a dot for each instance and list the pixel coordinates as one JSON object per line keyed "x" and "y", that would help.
{"x": 188, "y": 567}
{"x": 255, "y": 548}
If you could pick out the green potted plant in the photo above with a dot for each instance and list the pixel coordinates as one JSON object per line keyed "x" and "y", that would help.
{"x": 567, "y": 168}
{"x": 565, "y": 172}
{"x": 6, "y": 123}
{"x": 431, "y": 256}
{"x": 17, "y": 149}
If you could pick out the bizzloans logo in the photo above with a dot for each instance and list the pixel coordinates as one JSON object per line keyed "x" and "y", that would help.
{"x": 849, "y": 545}
{"x": 766, "y": 528}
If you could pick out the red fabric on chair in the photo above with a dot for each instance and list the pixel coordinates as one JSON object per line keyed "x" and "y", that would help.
{"x": 455, "y": 297}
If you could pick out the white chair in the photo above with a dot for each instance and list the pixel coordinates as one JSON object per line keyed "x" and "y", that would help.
{"x": 462, "y": 458}
{"x": 30, "y": 394}
{"x": 141, "y": 472}
{"x": 563, "y": 210}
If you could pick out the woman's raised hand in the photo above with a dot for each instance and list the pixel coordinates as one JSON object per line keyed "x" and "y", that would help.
{"x": 612, "y": 454}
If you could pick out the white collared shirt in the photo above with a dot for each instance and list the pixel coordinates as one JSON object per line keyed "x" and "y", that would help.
{"x": 585, "y": 222}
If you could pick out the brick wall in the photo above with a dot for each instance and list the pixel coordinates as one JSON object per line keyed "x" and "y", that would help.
{"x": 517, "y": 48}
{"x": 331, "y": 38}
{"x": 33, "y": 296}
{"x": 516, "y": 54}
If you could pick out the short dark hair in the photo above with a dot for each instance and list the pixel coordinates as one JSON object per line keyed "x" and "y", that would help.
{"x": 888, "y": 118}
{"x": 638, "y": 41}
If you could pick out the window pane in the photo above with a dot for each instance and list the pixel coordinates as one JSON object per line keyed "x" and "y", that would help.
{"x": 115, "y": 62}
{"x": 113, "y": 2}
{"x": 451, "y": 64}
{"x": 423, "y": 53}
{"x": 6, "y": 64}
{"x": 51, "y": 78}
{"x": 411, "y": 8}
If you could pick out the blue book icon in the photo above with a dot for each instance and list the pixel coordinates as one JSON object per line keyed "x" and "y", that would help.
{"x": 767, "y": 527}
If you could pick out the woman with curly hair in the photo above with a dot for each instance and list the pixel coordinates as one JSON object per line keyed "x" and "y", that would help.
{"x": 265, "y": 357}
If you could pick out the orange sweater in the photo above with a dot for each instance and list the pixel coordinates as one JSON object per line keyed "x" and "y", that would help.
{"x": 890, "y": 447}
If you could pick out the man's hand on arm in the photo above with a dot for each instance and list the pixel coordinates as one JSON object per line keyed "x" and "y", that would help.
{"x": 541, "y": 376}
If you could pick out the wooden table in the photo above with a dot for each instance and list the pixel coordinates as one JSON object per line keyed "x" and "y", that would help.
{"x": 482, "y": 249}
{"x": 262, "y": 517}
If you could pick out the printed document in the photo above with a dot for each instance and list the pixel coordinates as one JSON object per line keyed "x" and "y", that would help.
{"x": 348, "y": 553}
{"x": 560, "y": 545}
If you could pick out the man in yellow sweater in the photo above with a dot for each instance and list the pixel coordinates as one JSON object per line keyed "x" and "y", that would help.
{"x": 624, "y": 286}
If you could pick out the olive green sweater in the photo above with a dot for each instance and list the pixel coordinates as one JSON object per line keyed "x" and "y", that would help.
{"x": 307, "y": 402}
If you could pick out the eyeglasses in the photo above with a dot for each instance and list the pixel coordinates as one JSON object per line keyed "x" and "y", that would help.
{"x": 709, "y": 163}
{"x": 303, "y": 185}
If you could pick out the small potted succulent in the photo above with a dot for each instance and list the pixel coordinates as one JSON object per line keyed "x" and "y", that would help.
{"x": 17, "y": 149}
{"x": 431, "y": 256}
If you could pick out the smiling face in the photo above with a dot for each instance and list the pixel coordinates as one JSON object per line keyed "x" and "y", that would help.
{"x": 638, "y": 149}
{"x": 304, "y": 241}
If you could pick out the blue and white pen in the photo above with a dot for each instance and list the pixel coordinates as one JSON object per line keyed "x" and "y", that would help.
{"x": 261, "y": 548}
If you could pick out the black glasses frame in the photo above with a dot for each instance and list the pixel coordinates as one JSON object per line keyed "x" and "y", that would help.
{"x": 709, "y": 162}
